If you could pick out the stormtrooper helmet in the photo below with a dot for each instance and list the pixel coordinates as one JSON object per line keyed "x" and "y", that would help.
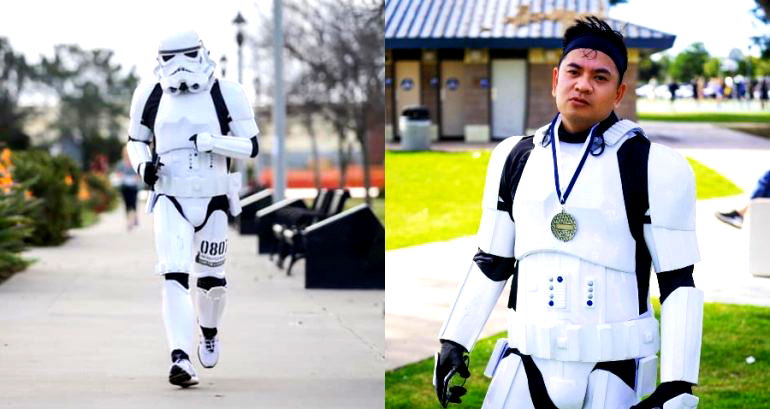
{"x": 184, "y": 64}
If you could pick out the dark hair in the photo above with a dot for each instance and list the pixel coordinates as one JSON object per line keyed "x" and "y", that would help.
{"x": 595, "y": 27}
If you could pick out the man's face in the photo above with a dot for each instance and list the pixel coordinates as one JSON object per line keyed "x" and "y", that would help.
{"x": 586, "y": 89}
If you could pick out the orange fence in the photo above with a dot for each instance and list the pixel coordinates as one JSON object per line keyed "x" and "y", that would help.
{"x": 330, "y": 178}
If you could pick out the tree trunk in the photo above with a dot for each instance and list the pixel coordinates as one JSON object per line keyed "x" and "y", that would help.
{"x": 362, "y": 136}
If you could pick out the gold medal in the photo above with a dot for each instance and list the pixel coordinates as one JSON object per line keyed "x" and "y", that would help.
{"x": 563, "y": 226}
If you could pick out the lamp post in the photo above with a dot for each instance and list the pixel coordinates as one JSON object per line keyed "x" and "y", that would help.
{"x": 239, "y": 22}
{"x": 279, "y": 105}
{"x": 223, "y": 65}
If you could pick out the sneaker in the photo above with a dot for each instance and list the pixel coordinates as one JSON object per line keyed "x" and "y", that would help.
{"x": 208, "y": 351}
{"x": 182, "y": 373}
{"x": 732, "y": 218}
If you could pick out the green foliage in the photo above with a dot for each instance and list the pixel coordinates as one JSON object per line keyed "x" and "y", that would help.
{"x": 93, "y": 97}
{"x": 712, "y": 67}
{"x": 55, "y": 181}
{"x": 731, "y": 333}
{"x": 649, "y": 68}
{"x": 689, "y": 63}
{"x": 15, "y": 76}
{"x": 101, "y": 195}
{"x": 15, "y": 228}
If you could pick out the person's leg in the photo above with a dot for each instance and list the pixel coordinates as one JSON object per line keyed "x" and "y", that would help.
{"x": 211, "y": 251}
{"x": 606, "y": 390}
{"x": 173, "y": 244}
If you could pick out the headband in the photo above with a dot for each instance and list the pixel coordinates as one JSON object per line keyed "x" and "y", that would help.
{"x": 617, "y": 55}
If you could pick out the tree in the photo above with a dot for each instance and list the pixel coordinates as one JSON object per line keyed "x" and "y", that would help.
{"x": 712, "y": 67}
{"x": 649, "y": 68}
{"x": 689, "y": 63}
{"x": 15, "y": 77}
{"x": 762, "y": 13}
{"x": 339, "y": 47}
{"x": 93, "y": 96}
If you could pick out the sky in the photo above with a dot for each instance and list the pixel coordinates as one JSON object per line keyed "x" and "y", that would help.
{"x": 721, "y": 25}
{"x": 134, "y": 28}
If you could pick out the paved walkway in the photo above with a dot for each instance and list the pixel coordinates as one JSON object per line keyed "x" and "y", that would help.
{"x": 422, "y": 280}
{"x": 82, "y": 328}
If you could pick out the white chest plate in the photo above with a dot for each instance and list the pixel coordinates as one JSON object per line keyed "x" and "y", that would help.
{"x": 180, "y": 117}
{"x": 596, "y": 202}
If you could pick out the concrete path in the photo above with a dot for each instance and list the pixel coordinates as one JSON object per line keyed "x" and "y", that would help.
{"x": 422, "y": 280}
{"x": 82, "y": 328}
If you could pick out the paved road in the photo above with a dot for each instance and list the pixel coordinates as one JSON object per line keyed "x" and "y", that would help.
{"x": 422, "y": 280}
{"x": 82, "y": 328}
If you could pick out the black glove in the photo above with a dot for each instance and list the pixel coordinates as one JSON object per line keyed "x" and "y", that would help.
{"x": 451, "y": 361}
{"x": 663, "y": 393}
{"x": 151, "y": 170}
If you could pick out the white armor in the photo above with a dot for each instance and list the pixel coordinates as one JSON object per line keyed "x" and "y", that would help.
{"x": 188, "y": 200}
{"x": 577, "y": 301}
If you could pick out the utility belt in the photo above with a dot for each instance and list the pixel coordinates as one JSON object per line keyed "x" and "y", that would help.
{"x": 196, "y": 186}
{"x": 586, "y": 342}
{"x": 645, "y": 377}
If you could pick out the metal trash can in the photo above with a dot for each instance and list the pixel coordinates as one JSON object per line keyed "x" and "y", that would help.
{"x": 414, "y": 127}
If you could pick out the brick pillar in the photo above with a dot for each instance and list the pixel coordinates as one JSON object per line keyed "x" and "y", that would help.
{"x": 627, "y": 108}
{"x": 541, "y": 106}
{"x": 429, "y": 93}
{"x": 476, "y": 103}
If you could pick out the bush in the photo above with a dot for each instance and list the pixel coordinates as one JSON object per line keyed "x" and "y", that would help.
{"x": 54, "y": 180}
{"x": 15, "y": 226}
{"x": 97, "y": 193}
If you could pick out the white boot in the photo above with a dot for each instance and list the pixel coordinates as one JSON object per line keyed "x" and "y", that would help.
{"x": 208, "y": 351}
{"x": 182, "y": 373}
{"x": 211, "y": 305}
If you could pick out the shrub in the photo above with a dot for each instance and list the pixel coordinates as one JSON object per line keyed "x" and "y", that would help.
{"x": 54, "y": 180}
{"x": 16, "y": 202}
{"x": 97, "y": 193}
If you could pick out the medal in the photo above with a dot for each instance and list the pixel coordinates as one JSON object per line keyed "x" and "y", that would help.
{"x": 563, "y": 224}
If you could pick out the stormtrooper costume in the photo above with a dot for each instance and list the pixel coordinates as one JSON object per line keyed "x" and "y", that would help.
{"x": 183, "y": 131}
{"x": 582, "y": 333}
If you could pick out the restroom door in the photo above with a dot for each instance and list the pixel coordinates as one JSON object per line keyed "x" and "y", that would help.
{"x": 452, "y": 86}
{"x": 407, "y": 86}
{"x": 509, "y": 81}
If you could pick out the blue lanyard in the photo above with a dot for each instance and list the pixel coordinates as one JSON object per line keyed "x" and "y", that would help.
{"x": 582, "y": 162}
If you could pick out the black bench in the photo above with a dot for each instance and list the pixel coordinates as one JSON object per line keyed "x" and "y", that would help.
{"x": 291, "y": 222}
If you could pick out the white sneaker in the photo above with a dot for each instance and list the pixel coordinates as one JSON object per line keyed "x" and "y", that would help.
{"x": 182, "y": 373}
{"x": 208, "y": 351}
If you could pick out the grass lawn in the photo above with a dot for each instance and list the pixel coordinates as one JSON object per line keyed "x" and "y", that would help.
{"x": 709, "y": 184}
{"x": 730, "y": 334}
{"x": 434, "y": 196}
{"x": 706, "y": 116}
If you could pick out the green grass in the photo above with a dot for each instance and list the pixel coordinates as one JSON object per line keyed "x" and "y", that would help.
{"x": 434, "y": 196}
{"x": 730, "y": 334}
{"x": 706, "y": 116}
{"x": 709, "y": 184}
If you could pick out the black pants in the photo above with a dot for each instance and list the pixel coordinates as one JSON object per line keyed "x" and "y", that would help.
{"x": 129, "y": 196}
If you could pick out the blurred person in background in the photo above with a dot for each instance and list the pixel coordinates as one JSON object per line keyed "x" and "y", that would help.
{"x": 128, "y": 182}
{"x": 735, "y": 217}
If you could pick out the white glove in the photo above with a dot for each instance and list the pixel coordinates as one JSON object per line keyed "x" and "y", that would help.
{"x": 203, "y": 142}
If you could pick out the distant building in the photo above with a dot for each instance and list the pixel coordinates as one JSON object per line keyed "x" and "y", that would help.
{"x": 483, "y": 68}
